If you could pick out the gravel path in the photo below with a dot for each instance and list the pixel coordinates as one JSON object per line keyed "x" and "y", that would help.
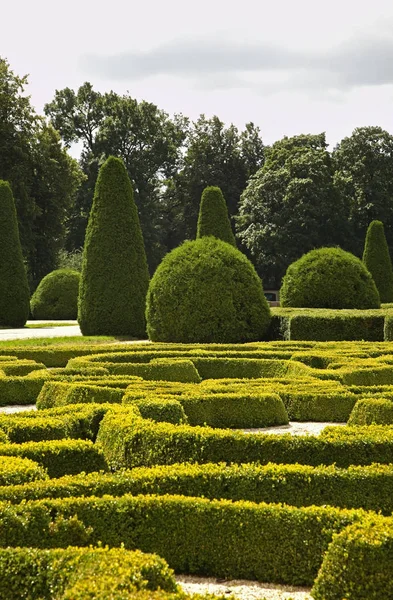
{"x": 242, "y": 589}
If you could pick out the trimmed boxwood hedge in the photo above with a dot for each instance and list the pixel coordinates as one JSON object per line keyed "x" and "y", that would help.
{"x": 15, "y": 470}
{"x": 358, "y": 564}
{"x": 368, "y": 411}
{"x": 44, "y": 574}
{"x": 129, "y": 441}
{"x": 60, "y": 457}
{"x": 234, "y": 540}
{"x": 367, "y": 487}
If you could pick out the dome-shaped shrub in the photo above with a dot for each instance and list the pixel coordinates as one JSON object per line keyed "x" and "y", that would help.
{"x": 56, "y": 297}
{"x": 206, "y": 291}
{"x": 329, "y": 278}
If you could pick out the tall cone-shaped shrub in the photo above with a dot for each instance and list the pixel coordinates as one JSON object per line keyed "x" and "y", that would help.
{"x": 376, "y": 257}
{"x": 14, "y": 288}
{"x": 213, "y": 216}
{"x": 115, "y": 276}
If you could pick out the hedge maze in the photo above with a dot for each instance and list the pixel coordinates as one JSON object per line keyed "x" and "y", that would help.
{"x": 142, "y": 449}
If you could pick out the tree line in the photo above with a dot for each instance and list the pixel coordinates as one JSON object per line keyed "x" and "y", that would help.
{"x": 283, "y": 200}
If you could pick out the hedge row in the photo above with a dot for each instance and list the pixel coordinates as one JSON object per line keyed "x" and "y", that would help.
{"x": 61, "y": 573}
{"x": 367, "y": 487}
{"x": 358, "y": 564}
{"x": 15, "y": 471}
{"x": 59, "y": 457}
{"x": 60, "y": 394}
{"x": 129, "y": 441}
{"x": 77, "y": 421}
{"x": 266, "y": 542}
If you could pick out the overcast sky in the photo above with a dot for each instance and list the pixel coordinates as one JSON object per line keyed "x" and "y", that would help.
{"x": 290, "y": 66}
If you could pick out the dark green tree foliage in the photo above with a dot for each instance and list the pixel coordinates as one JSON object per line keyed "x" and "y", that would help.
{"x": 141, "y": 134}
{"x": 329, "y": 278}
{"x": 213, "y": 216}
{"x": 114, "y": 277}
{"x": 14, "y": 289}
{"x": 290, "y": 206}
{"x": 376, "y": 257}
{"x": 363, "y": 177}
{"x": 43, "y": 178}
{"x": 56, "y": 297}
{"x": 206, "y": 291}
{"x": 215, "y": 156}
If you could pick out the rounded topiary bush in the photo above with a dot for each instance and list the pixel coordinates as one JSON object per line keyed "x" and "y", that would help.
{"x": 56, "y": 297}
{"x": 329, "y": 278}
{"x": 206, "y": 291}
{"x": 358, "y": 564}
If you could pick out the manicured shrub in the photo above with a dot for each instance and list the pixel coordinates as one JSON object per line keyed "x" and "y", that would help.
{"x": 388, "y": 329}
{"x": 358, "y": 564}
{"x": 14, "y": 288}
{"x": 372, "y": 410}
{"x": 129, "y": 441}
{"x": 114, "y": 277}
{"x": 60, "y": 393}
{"x": 334, "y": 325}
{"x": 15, "y": 471}
{"x": 376, "y": 257}
{"x": 235, "y": 411}
{"x": 39, "y": 574}
{"x": 367, "y": 487}
{"x": 56, "y": 297}
{"x": 59, "y": 457}
{"x": 213, "y": 216}
{"x": 235, "y": 540}
{"x": 206, "y": 291}
{"x": 160, "y": 409}
{"x": 329, "y": 278}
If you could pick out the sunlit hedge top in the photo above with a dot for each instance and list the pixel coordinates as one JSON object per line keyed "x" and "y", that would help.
{"x": 206, "y": 291}
{"x": 329, "y": 278}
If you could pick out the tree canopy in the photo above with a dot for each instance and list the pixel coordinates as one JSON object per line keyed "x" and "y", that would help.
{"x": 290, "y": 206}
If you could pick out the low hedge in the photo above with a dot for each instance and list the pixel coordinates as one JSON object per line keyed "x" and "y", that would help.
{"x": 234, "y": 540}
{"x": 165, "y": 369}
{"x": 44, "y": 574}
{"x": 20, "y": 367}
{"x": 221, "y": 368}
{"x": 61, "y": 393}
{"x": 20, "y": 390}
{"x": 358, "y": 564}
{"x": 19, "y": 429}
{"x": 70, "y": 421}
{"x": 15, "y": 471}
{"x": 59, "y": 457}
{"x": 367, "y": 487}
{"x": 129, "y": 441}
{"x": 368, "y": 411}
{"x": 159, "y": 409}
{"x": 340, "y": 325}
{"x": 235, "y": 410}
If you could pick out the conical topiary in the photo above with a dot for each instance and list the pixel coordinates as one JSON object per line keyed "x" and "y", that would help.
{"x": 376, "y": 257}
{"x": 115, "y": 276}
{"x": 213, "y": 216}
{"x": 14, "y": 288}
